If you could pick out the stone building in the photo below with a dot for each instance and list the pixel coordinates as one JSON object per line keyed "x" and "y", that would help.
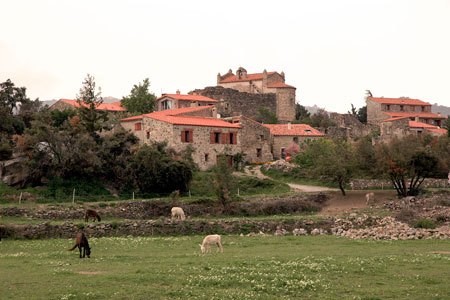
{"x": 289, "y": 135}
{"x": 234, "y": 103}
{"x": 63, "y": 104}
{"x": 199, "y": 128}
{"x": 402, "y": 116}
{"x": 171, "y": 101}
{"x": 263, "y": 83}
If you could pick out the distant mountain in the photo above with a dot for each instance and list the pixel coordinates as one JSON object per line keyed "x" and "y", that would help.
{"x": 313, "y": 109}
{"x": 108, "y": 99}
{"x": 444, "y": 110}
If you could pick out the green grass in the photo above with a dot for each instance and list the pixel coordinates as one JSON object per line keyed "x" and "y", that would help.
{"x": 321, "y": 267}
{"x": 290, "y": 178}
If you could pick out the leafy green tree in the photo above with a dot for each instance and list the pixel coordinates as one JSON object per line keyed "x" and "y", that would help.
{"x": 157, "y": 172}
{"x": 362, "y": 114}
{"x": 353, "y": 110}
{"x": 58, "y": 117}
{"x": 302, "y": 116}
{"x": 140, "y": 100}
{"x": 331, "y": 160}
{"x": 321, "y": 119}
{"x": 407, "y": 159}
{"x": 89, "y": 100}
{"x": 266, "y": 116}
{"x": 223, "y": 178}
{"x": 11, "y": 96}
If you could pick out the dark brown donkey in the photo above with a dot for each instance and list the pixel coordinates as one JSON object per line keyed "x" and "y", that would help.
{"x": 82, "y": 242}
{"x": 91, "y": 213}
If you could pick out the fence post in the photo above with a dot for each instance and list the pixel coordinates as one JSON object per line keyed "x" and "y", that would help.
{"x": 238, "y": 192}
{"x": 20, "y": 198}
{"x": 133, "y": 196}
{"x": 189, "y": 193}
{"x": 73, "y": 196}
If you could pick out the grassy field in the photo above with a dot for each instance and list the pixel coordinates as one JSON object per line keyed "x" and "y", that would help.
{"x": 320, "y": 267}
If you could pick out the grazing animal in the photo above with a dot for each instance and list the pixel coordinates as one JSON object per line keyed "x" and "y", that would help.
{"x": 178, "y": 213}
{"x": 91, "y": 213}
{"x": 369, "y": 198}
{"x": 82, "y": 242}
{"x": 208, "y": 241}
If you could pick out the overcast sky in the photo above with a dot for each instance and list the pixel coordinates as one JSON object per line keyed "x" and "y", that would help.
{"x": 332, "y": 51}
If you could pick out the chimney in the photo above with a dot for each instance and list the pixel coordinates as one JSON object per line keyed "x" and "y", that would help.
{"x": 289, "y": 126}
{"x": 416, "y": 119}
{"x": 178, "y": 92}
{"x": 439, "y": 113}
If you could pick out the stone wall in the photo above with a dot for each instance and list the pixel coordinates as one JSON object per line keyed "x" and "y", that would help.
{"x": 348, "y": 126}
{"x": 374, "y": 115}
{"x": 284, "y": 141}
{"x": 396, "y": 128}
{"x": 285, "y": 104}
{"x": 234, "y": 103}
{"x": 359, "y": 184}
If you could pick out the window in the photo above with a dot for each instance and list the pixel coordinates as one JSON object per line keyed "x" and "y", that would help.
{"x": 388, "y": 107}
{"x": 166, "y": 104}
{"x": 232, "y": 138}
{"x": 187, "y": 136}
{"x": 258, "y": 152}
{"x": 412, "y": 108}
{"x": 148, "y": 134}
{"x": 402, "y": 107}
{"x": 423, "y": 108}
{"x": 308, "y": 130}
{"x": 295, "y": 139}
{"x": 216, "y": 137}
{"x": 137, "y": 126}
{"x": 282, "y": 153}
{"x": 206, "y": 156}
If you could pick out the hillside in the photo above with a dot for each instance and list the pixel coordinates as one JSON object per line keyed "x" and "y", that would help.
{"x": 444, "y": 110}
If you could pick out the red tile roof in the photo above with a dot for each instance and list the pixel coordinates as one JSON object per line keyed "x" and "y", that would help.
{"x": 173, "y": 116}
{"x": 438, "y": 130}
{"x": 255, "y": 76}
{"x": 425, "y": 115}
{"x": 278, "y": 84}
{"x": 187, "y": 97}
{"x": 415, "y": 124}
{"x": 395, "y": 119}
{"x": 296, "y": 130}
{"x": 405, "y": 101}
{"x": 104, "y": 106}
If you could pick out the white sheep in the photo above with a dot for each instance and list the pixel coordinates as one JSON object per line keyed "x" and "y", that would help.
{"x": 178, "y": 213}
{"x": 208, "y": 241}
{"x": 369, "y": 198}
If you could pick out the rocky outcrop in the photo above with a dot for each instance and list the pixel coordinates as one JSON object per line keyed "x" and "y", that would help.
{"x": 14, "y": 172}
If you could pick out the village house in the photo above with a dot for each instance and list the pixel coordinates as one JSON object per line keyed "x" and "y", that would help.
{"x": 263, "y": 83}
{"x": 63, "y": 104}
{"x": 290, "y": 136}
{"x": 402, "y": 116}
{"x": 171, "y": 101}
{"x": 207, "y": 135}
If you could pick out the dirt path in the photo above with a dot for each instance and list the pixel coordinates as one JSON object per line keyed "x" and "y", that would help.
{"x": 353, "y": 201}
{"x": 256, "y": 172}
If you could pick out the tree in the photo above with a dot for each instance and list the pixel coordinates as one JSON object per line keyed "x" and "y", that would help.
{"x": 302, "y": 116}
{"x": 266, "y": 116}
{"x": 155, "y": 171}
{"x": 11, "y": 96}
{"x": 89, "y": 100}
{"x": 353, "y": 110}
{"x": 140, "y": 100}
{"x": 407, "y": 159}
{"x": 223, "y": 178}
{"x": 332, "y": 160}
{"x": 362, "y": 114}
{"x": 321, "y": 119}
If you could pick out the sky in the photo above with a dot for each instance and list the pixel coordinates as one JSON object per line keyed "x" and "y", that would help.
{"x": 331, "y": 51}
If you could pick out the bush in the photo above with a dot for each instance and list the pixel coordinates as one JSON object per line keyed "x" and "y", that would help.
{"x": 80, "y": 226}
{"x": 59, "y": 188}
{"x": 425, "y": 223}
{"x": 114, "y": 224}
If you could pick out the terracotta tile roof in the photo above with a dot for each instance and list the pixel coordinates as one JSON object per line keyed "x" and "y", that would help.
{"x": 438, "y": 130}
{"x": 187, "y": 97}
{"x": 104, "y": 106}
{"x": 405, "y": 101}
{"x": 395, "y": 119}
{"x": 415, "y": 124}
{"x": 255, "y": 76}
{"x": 426, "y": 115}
{"x": 296, "y": 130}
{"x": 174, "y": 116}
{"x": 278, "y": 84}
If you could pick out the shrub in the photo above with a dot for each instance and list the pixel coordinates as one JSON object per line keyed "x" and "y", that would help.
{"x": 80, "y": 226}
{"x": 114, "y": 225}
{"x": 406, "y": 215}
{"x": 425, "y": 223}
